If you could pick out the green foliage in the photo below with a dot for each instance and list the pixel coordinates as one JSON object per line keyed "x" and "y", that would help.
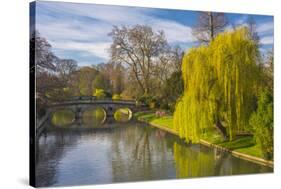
{"x": 173, "y": 89}
{"x": 262, "y": 123}
{"x": 116, "y": 97}
{"x": 220, "y": 83}
{"x": 83, "y": 80}
{"x": 151, "y": 101}
{"x": 101, "y": 82}
{"x": 99, "y": 93}
{"x": 269, "y": 71}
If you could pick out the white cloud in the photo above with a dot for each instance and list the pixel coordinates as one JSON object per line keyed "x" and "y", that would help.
{"x": 84, "y": 27}
{"x": 99, "y": 49}
{"x": 267, "y": 40}
{"x": 174, "y": 31}
{"x": 73, "y": 30}
{"x": 241, "y": 21}
{"x": 265, "y": 27}
{"x": 110, "y": 14}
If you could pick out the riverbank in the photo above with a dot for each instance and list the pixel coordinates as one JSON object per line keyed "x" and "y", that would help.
{"x": 242, "y": 147}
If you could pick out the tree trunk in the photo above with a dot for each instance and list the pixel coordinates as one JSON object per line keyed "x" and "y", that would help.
{"x": 211, "y": 25}
{"x": 221, "y": 129}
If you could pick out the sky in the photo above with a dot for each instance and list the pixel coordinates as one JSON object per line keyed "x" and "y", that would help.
{"x": 80, "y": 31}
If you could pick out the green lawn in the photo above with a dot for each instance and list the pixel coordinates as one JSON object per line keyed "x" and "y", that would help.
{"x": 238, "y": 143}
{"x": 243, "y": 144}
{"x": 165, "y": 121}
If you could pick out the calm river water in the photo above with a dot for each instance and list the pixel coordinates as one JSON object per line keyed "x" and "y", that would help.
{"x": 127, "y": 152}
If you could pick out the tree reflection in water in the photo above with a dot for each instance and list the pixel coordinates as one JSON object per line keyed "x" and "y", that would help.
{"x": 94, "y": 117}
{"x": 197, "y": 161}
{"x": 127, "y": 152}
{"x": 50, "y": 148}
{"x": 143, "y": 156}
{"x": 191, "y": 161}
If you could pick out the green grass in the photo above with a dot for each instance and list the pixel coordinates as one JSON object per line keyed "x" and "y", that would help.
{"x": 211, "y": 135}
{"x": 253, "y": 151}
{"x": 165, "y": 121}
{"x": 243, "y": 144}
{"x": 239, "y": 142}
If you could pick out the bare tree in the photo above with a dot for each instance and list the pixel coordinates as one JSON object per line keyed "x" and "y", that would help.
{"x": 208, "y": 26}
{"x": 251, "y": 23}
{"x": 169, "y": 62}
{"x": 138, "y": 48}
{"x": 177, "y": 57}
{"x": 65, "y": 67}
{"x": 44, "y": 58}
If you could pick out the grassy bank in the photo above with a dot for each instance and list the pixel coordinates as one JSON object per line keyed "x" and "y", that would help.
{"x": 150, "y": 117}
{"x": 242, "y": 144}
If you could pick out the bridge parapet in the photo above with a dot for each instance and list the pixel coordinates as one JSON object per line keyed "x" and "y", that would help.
{"x": 110, "y": 106}
{"x": 87, "y": 101}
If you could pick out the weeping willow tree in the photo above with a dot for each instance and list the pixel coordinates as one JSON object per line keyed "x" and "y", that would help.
{"x": 220, "y": 84}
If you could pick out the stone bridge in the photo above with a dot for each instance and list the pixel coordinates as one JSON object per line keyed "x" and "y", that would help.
{"x": 79, "y": 106}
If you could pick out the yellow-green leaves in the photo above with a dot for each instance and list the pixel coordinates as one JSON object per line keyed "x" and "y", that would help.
{"x": 99, "y": 93}
{"x": 220, "y": 81}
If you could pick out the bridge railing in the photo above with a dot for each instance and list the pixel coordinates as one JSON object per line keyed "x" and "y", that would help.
{"x": 97, "y": 101}
{"x": 93, "y": 98}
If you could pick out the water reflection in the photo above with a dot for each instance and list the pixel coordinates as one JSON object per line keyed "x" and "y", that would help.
{"x": 94, "y": 117}
{"x": 62, "y": 117}
{"x": 133, "y": 152}
{"x": 123, "y": 115}
{"x": 200, "y": 161}
{"x": 50, "y": 148}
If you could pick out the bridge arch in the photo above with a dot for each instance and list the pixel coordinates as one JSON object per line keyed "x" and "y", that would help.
{"x": 120, "y": 112}
{"x": 97, "y": 113}
{"x": 62, "y": 117}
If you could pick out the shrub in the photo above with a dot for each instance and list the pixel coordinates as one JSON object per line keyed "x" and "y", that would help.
{"x": 100, "y": 93}
{"x": 116, "y": 97}
{"x": 262, "y": 123}
{"x": 151, "y": 101}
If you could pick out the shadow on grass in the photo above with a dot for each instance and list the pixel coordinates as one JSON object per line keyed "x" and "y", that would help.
{"x": 238, "y": 143}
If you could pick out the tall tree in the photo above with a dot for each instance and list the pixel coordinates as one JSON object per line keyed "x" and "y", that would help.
{"x": 220, "y": 86}
{"x": 251, "y": 23}
{"x": 209, "y": 24}
{"x": 262, "y": 123}
{"x": 44, "y": 57}
{"x": 83, "y": 80}
{"x": 45, "y": 65}
{"x": 268, "y": 68}
{"x": 172, "y": 90}
{"x": 101, "y": 82}
{"x": 115, "y": 73}
{"x": 138, "y": 48}
{"x": 65, "y": 67}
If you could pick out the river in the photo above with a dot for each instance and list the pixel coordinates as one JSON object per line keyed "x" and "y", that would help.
{"x": 127, "y": 152}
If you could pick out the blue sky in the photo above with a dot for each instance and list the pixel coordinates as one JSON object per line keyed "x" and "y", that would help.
{"x": 80, "y": 31}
